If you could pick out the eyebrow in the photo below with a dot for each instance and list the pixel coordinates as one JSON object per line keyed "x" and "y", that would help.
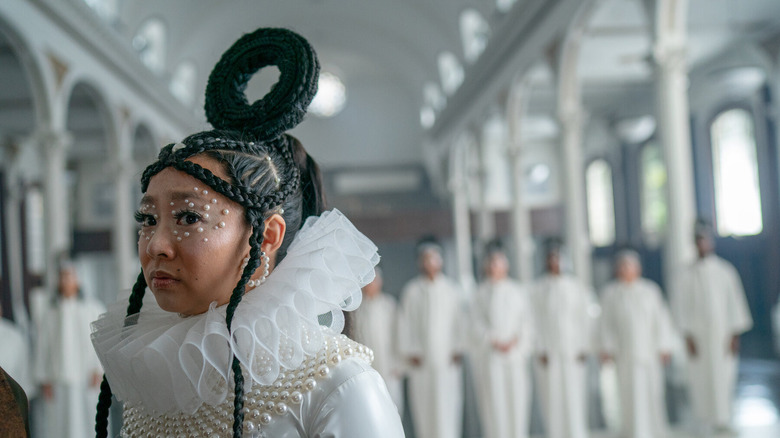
{"x": 175, "y": 196}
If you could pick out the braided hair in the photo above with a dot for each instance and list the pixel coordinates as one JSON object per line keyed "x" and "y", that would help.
{"x": 269, "y": 171}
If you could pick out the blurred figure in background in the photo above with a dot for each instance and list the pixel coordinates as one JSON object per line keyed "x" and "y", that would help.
{"x": 502, "y": 328}
{"x": 66, "y": 365}
{"x": 563, "y": 340}
{"x": 431, "y": 333}
{"x": 637, "y": 333}
{"x": 376, "y": 326}
{"x": 711, "y": 312}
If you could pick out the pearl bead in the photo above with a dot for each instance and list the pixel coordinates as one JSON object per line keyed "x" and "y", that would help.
{"x": 207, "y": 207}
{"x": 205, "y": 239}
{"x": 296, "y": 397}
{"x": 200, "y": 229}
{"x": 186, "y": 201}
{"x": 214, "y": 200}
{"x": 205, "y": 192}
{"x": 186, "y": 234}
{"x": 191, "y": 204}
{"x": 225, "y": 211}
{"x": 175, "y": 232}
{"x": 222, "y": 225}
{"x": 281, "y": 409}
{"x": 196, "y": 189}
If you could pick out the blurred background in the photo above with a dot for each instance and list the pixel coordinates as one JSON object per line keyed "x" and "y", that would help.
{"x": 603, "y": 122}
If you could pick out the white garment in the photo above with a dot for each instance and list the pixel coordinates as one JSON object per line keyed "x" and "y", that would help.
{"x": 502, "y": 313}
{"x": 66, "y": 360}
{"x": 178, "y": 369}
{"x": 431, "y": 328}
{"x": 636, "y": 329}
{"x": 15, "y": 356}
{"x": 711, "y": 308}
{"x": 564, "y": 334}
{"x": 376, "y": 326}
{"x": 349, "y": 400}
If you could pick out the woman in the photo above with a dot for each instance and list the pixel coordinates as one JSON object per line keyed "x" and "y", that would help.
{"x": 232, "y": 339}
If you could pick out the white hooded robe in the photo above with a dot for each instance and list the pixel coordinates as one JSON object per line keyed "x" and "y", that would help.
{"x": 502, "y": 312}
{"x": 431, "y": 326}
{"x": 636, "y": 328}
{"x": 711, "y": 308}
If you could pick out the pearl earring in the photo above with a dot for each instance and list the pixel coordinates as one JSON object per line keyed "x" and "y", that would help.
{"x": 266, "y": 267}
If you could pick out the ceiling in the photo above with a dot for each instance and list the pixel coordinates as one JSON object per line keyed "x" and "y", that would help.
{"x": 385, "y": 51}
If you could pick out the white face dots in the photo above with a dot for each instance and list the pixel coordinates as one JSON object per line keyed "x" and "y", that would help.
{"x": 190, "y": 217}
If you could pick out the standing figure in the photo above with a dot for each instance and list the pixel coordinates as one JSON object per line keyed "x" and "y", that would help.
{"x": 563, "y": 333}
{"x": 502, "y": 328}
{"x": 66, "y": 365}
{"x": 376, "y": 326}
{"x": 711, "y": 311}
{"x": 637, "y": 333}
{"x": 430, "y": 329}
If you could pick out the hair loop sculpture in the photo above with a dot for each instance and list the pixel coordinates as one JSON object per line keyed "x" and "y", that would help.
{"x": 258, "y": 155}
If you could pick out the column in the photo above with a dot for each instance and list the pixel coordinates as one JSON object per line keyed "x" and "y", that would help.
{"x": 576, "y": 232}
{"x": 57, "y": 229}
{"x": 122, "y": 237}
{"x": 460, "y": 218}
{"x": 674, "y": 128}
{"x": 13, "y": 232}
{"x": 521, "y": 218}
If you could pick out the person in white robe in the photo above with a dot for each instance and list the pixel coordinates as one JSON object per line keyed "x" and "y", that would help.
{"x": 376, "y": 326}
{"x": 711, "y": 311}
{"x": 564, "y": 337}
{"x": 637, "y": 333}
{"x": 15, "y": 355}
{"x": 502, "y": 331}
{"x": 66, "y": 365}
{"x": 431, "y": 337}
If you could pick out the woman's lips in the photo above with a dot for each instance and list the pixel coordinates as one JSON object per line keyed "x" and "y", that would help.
{"x": 163, "y": 282}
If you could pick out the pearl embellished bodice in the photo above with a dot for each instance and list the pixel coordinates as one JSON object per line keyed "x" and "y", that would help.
{"x": 290, "y": 407}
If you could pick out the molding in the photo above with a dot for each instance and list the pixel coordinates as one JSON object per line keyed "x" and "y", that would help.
{"x": 517, "y": 44}
{"x": 107, "y": 47}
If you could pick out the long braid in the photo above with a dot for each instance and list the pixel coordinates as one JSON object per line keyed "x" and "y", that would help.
{"x": 235, "y": 298}
{"x": 104, "y": 399}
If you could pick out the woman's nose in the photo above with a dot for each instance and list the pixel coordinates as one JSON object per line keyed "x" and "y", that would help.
{"x": 161, "y": 243}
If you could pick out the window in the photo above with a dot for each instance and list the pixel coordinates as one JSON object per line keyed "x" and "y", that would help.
{"x": 108, "y": 10}
{"x": 652, "y": 198}
{"x": 450, "y": 71}
{"x": 433, "y": 96}
{"x": 183, "y": 82}
{"x": 149, "y": 42}
{"x": 601, "y": 204}
{"x": 505, "y": 5}
{"x": 474, "y": 34}
{"x": 735, "y": 173}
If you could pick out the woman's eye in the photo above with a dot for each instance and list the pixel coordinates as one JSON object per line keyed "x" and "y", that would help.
{"x": 145, "y": 220}
{"x": 187, "y": 218}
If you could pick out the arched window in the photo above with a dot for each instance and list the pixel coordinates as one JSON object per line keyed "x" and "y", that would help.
{"x": 474, "y": 34}
{"x": 505, "y": 5}
{"x": 433, "y": 96}
{"x": 183, "y": 82}
{"x": 150, "y": 42}
{"x": 601, "y": 203}
{"x": 108, "y": 10}
{"x": 735, "y": 171}
{"x": 450, "y": 71}
{"x": 652, "y": 197}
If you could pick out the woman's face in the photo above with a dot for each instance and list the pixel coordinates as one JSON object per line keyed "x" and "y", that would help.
{"x": 192, "y": 240}
{"x": 497, "y": 267}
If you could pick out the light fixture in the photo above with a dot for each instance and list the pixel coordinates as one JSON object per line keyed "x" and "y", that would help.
{"x": 330, "y": 98}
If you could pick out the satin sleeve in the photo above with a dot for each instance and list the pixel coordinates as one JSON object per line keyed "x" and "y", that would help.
{"x": 359, "y": 406}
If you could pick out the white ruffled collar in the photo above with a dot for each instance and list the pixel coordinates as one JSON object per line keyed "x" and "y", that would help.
{"x": 168, "y": 363}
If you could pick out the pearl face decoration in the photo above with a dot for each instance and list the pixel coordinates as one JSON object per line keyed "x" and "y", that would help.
{"x": 187, "y": 214}
{"x": 262, "y": 404}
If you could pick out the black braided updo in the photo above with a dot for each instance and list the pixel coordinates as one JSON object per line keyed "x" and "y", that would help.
{"x": 269, "y": 171}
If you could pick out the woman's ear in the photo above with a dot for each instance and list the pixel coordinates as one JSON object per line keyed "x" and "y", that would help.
{"x": 273, "y": 235}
